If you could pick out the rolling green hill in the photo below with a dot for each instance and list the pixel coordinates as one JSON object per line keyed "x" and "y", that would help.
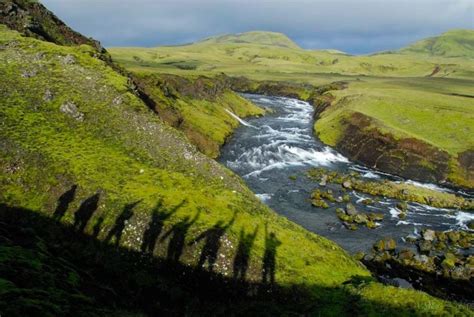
{"x": 255, "y": 37}
{"x": 454, "y": 43}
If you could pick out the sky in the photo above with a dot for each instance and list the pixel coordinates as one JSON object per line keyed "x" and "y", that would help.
{"x": 353, "y": 26}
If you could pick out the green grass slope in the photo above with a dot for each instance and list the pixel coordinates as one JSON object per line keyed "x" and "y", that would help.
{"x": 454, "y": 43}
{"x": 82, "y": 151}
{"x": 254, "y": 37}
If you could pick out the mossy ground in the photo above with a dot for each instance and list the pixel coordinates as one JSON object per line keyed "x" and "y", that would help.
{"x": 125, "y": 162}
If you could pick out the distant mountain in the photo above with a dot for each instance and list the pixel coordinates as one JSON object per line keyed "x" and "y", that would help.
{"x": 254, "y": 37}
{"x": 454, "y": 43}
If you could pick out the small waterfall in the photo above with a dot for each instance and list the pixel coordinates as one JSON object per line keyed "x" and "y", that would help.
{"x": 236, "y": 117}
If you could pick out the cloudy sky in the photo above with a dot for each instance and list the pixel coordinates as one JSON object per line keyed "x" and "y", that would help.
{"x": 354, "y": 26}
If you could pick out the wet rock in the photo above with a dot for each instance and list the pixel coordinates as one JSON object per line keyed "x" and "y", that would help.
{"x": 339, "y": 199}
{"x": 406, "y": 255}
{"x": 387, "y": 244}
{"x": 71, "y": 110}
{"x": 453, "y": 236}
{"x": 470, "y": 225}
{"x": 351, "y": 210}
{"x": 346, "y": 198}
{"x": 347, "y": 184}
{"x": 428, "y": 234}
{"x": 368, "y": 201}
{"x": 350, "y": 226}
{"x": 449, "y": 261}
{"x": 361, "y": 219}
{"x": 375, "y": 216}
{"x": 425, "y": 246}
{"x": 402, "y": 206}
{"x": 324, "y": 180}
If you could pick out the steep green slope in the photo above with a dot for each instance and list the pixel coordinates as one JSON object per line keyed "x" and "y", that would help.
{"x": 82, "y": 152}
{"x": 255, "y": 37}
{"x": 201, "y": 107}
{"x": 418, "y": 128}
{"x": 454, "y": 43}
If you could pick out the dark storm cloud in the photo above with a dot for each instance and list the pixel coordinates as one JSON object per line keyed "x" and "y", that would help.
{"x": 353, "y": 26}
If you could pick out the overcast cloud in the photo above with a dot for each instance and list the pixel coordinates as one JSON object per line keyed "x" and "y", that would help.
{"x": 354, "y": 26}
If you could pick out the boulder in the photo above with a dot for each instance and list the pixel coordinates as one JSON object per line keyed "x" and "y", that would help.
{"x": 453, "y": 236}
{"x": 351, "y": 210}
{"x": 428, "y": 234}
{"x": 347, "y": 184}
{"x": 402, "y": 206}
{"x": 71, "y": 110}
{"x": 470, "y": 225}
{"x": 387, "y": 244}
{"x": 425, "y": 246}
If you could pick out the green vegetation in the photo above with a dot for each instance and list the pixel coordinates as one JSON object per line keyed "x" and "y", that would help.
{"x": 386, "y": 188}
{"x": 202, "y": 108}
{"x": 418, "y": 98}
{"x": 454, "y": 43}
{"x": 79, "y": 146}
{"x": 255, "y": 37}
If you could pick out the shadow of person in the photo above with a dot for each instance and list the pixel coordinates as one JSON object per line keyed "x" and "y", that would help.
{"x": 159, "y": 216}
{"x": 242, "y": 255}
{"x": 120, "y": 223}
{"x": 269, "y": 257}
{"x": 85, "y": 212}
{"x": 63, "y": 203}
{"x": 97, "y": 227}
{"x": 178, "y": 234}
{"x": 212, "y": 243}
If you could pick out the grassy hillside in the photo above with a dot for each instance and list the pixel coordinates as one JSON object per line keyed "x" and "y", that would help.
{"x": 255, "y": 37}
{"x": 454, "y": 43}
{"x": 83, "y": 160}
{"x": 258, "y": 60}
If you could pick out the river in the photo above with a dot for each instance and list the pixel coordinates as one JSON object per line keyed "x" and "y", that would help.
{"x": 273, "y": 154}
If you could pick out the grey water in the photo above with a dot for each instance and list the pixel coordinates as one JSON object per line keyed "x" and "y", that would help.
{"x": 273, "y": 154}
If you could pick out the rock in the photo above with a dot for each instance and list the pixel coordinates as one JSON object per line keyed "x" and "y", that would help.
{"x": 425, "y": 246}
{"x": 71, "y": 110}
{"x": 367, "y": 201}
{"x": 470, "y": 225}
{"x": 441, "y": 236}
{"x": 464, "y": 243}
{"x": 371, "y": 224}
{"x": 402, "y": 206}
{"x": 346, "y": 198}
{"x": 375, "y": 216}
{"x": 347, "y": 184}
{"x": 405, "y": 192}
{"x": 428, "y": 234}
{"x": 361, "y": 219}
{"x": 359, "y": 256}
{"x": 421, "y": 258}
{"x": 117, "y": 101}
{"x": 406, "y": 255}
{"x": 339, "y": 199}
{"x": 350, "y": 226}
{"x": 402, "y": 215}
{"x": 69, "y": 60}
{"x": 48, "y": 95}
{"x": 351, "y": 210}
{"x": 320, "y": 203}
{"x": 29, "y": 73}
{"x": 324, "y": 180}
{"x": 387, "y": 244}
{"x": 449, "y": 261}
{"x": 453, "y": 236}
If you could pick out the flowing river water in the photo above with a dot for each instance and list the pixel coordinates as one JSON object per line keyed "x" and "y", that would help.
{"x": 273, "y": 154}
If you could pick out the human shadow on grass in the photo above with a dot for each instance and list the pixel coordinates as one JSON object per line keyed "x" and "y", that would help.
{"x": 64, "y": 201}
{"x": 159, "y": 215}
{"x": 120, "y": 223}
{"x": 177, "y": 235}
{"x": 212, "y": 243}
{"x": 85, "y": 212}
{"x": 242, "y": 255}
{"x": 269, "y": 256}
{"x": 48, "y": 268}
